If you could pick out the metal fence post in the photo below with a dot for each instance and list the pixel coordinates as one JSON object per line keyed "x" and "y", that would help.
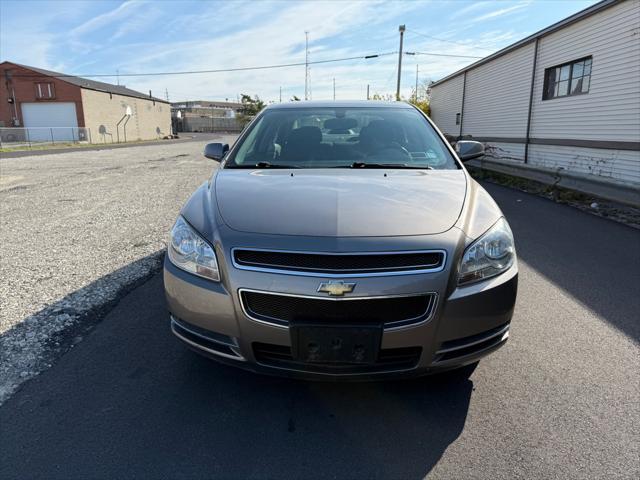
{"x": 73, "y": 135}
{"x": 28, "y": 139}
{"x": 52, "y": 140}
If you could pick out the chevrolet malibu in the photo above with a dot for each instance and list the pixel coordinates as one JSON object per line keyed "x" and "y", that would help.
{"x": 342, "y": 240}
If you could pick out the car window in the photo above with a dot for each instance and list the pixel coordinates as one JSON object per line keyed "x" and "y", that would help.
{"x": 340, "y": 137}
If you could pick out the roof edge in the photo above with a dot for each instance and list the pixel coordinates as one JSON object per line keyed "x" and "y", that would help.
{"x": 142, "y": 96}
{"x": 62, "y": 77}
{"x": 581, "y": 15}
{"x": 31, "y": 69}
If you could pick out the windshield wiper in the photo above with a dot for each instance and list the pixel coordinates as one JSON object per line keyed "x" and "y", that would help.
{"x": 263, "y": 165}
{"x": 389, "y": 165}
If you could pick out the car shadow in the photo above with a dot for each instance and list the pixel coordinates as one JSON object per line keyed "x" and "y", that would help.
{"x": 36, "y": 342}
{"x": 593, "y": 259}
{"x": 298, "y": 429}
{"x": 132, "y": 401}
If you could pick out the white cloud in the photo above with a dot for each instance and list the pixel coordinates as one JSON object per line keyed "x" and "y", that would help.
{"x": 121, "y": 13}
{"x": 500, "y": 12}
{"x": 275, "y": 39}
{"x": 31, "y": 42}
{"x": 237, "y": 34}
{"x": 468, "y": 9}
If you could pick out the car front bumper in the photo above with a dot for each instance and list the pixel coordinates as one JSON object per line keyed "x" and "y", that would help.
{"x": 466, "y": 324}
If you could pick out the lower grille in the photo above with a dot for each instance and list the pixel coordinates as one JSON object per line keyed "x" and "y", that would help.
{"x": 387, "y": 311}
{"x": 212, "y": 342}
{"x": 390, "y": 359}
{"x": 462, "y": 347}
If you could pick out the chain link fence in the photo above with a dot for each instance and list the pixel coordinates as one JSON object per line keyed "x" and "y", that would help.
{"x": 27, "y": 137}
{"x": 210, "y": 124}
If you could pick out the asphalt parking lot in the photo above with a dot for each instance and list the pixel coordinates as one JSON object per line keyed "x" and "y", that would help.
{"x": 560, "y": 400}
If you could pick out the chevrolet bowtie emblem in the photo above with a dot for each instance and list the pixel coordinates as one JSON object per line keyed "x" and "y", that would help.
{"x": 336, "y": 288}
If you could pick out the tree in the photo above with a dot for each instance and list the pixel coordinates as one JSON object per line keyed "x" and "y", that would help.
{"x": 424, "y": 90}
{"x": 250, "y": 108}
{"x": 422, "y": 97}
{"x": 422, "y": 102}
{"x": 387, "y": 97}
{"x": 422, "y": 105}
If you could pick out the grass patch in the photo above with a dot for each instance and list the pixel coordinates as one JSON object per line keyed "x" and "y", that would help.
{"x": 57, "y": 146}
{"x": 559, "y": 194}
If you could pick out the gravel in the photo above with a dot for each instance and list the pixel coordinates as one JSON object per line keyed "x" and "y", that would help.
{"x": 77, "y": 231}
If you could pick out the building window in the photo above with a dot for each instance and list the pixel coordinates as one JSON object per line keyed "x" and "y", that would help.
{"x": 45, "y": 91}
{"x": 571, "y": 78}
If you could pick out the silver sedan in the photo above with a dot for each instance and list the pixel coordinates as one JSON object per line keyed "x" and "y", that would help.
{"x": 342, "y": 240}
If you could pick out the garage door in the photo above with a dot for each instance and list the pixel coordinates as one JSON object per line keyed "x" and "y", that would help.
{"x": 45, "y": 119}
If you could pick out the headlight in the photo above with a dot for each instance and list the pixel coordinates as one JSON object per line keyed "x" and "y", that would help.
{"x": 188, "y": 251}
{"x": 491, "y": 254}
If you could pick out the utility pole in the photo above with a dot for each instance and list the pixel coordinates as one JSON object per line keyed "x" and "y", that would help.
{"x": 280, "y": 94}
{"x": 416, "y": 100}
{"x": 306, "y": 65}
{"x": 334, "y": 88}
{"x": 367, "y": 91}
{"x": 401, "y": 29}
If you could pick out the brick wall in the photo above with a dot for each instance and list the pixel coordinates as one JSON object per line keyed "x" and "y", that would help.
{"x": 23, "y": 82}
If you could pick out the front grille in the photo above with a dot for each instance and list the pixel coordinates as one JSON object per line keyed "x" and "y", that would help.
{"x": 387, "y": 311}
{"x": 388, "y": 359}
{"x": 339, "y": 264}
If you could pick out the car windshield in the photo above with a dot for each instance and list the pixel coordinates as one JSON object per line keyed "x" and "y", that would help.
{"x": 370, "y": 137}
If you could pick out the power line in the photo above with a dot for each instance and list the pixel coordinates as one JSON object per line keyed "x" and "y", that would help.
{"x": 386, "y": 84}
{"x": 441, "y": 55}
{"x": 448, "y": 41}
{"x": 218, "y": 70}
{"x": 237, "y": 69}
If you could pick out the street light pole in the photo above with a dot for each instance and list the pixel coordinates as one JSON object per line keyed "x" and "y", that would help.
{"x": 401, "y": 29}
{"x": 306, "y": 65}
{"x": 367, "y": 91}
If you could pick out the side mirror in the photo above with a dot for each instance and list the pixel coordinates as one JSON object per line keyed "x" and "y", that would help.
{"x": 468, "y": 149}
{"x": 216, "y": 151}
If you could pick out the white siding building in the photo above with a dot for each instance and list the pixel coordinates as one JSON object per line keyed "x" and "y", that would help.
{"x": 565, "y": 99}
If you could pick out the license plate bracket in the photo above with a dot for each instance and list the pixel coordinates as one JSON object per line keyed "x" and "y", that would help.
{"x": 349, "y": 344}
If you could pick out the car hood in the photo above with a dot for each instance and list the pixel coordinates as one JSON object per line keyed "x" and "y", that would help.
{"x": 340, "y": 202}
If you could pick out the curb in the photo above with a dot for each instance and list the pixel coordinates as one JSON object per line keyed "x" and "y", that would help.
{"x": 616, "y": 191}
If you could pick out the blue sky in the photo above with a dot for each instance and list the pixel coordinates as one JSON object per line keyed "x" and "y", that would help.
{"x": 101, "y": 37}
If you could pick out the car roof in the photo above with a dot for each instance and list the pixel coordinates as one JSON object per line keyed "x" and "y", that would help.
{"x": 339, "y": 104}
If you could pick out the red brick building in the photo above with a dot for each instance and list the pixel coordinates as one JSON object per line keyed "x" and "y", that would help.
{"x": 65, "y": 106}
